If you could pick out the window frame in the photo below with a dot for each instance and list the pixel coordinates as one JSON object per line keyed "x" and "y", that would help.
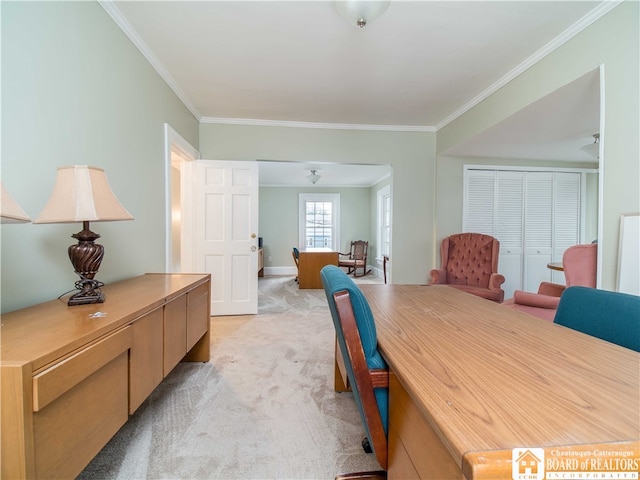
{"x": 383, "y": 194}
{"x": 334, "y": 199}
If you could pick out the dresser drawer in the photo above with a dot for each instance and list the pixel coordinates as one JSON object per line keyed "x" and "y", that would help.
{"x": 61, "y": 377}
{"x": 72, "y": 429}
{"x": 197, "y": 314}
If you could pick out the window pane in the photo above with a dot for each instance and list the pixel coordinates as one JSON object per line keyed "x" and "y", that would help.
{"x": 319, "y": 228}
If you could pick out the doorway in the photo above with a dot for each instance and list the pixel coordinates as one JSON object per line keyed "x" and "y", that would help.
{"x": 179, "y": 158}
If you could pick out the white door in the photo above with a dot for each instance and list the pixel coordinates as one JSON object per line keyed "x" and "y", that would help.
{"x": 226, "y": 233}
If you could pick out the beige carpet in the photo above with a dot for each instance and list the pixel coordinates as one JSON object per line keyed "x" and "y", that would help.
{"x": 263, "y": 408}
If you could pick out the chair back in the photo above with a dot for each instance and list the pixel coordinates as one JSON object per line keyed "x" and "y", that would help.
{"x": 359, "y": 250}
{"x": 358, "y": 343}
{"x": 611, "y": 316}
{"x": 296, "y": 255}
{"x": 469, "y": 258}
{"x": 357, "y": 258}
{"x": 580, "y": 263}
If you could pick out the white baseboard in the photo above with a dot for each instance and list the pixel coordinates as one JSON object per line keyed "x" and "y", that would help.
{"x": 293, "y": 271}
{"x": 280, "y": 270}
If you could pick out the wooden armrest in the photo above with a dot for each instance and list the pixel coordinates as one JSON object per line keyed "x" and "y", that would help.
{"x": 380, "y": 378}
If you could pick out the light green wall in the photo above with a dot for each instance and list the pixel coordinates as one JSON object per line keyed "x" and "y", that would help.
{"x": 75, "y": 90}
{"x": 279, "y": 220}
{"x": 410, "y": 154}
{"x": 614, "y": 42}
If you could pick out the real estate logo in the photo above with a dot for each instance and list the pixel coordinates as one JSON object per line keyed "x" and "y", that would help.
{"x": 619, "y": 462}
{"x": 527, "y": 464}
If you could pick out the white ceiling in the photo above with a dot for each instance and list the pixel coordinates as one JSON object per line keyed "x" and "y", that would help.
{"x": 289, "y": 174}
{"x": 418, "y": 66}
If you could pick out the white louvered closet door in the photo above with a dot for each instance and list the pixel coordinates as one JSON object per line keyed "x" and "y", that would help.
{"x": 479, "y": 202}
{"x": 538, "y": 229}
{"x": 534, "y": 215}
{"x": 566, "y": 217}
{"x": 509, "y": 229}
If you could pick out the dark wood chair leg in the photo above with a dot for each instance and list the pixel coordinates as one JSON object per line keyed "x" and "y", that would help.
{"x": 377, "y": 475}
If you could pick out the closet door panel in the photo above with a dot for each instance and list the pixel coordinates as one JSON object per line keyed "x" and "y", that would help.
{"x": 479, "y": 202}
{"x": 566, "y": 218}
{"x": 538, "y": 229}
{"x": 509, "y": 229}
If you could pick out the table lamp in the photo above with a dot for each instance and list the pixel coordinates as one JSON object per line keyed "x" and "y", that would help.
{"x": 82, "y": 194}
{"x": 10, "y": 211}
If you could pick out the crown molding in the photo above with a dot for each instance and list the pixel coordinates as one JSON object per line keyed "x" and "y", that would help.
{"x": 595, "y": 14}
{"x": 331, "y": 126}
{"x": 602, "y": 9}
{"x": 129, "y": 31}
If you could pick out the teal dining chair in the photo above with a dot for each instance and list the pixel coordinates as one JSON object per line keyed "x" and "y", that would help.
{"x": 610, "y": 316}
{"x": 367, "y": 371}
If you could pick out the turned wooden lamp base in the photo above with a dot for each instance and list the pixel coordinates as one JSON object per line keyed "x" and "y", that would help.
{"x": 86, "y": 257}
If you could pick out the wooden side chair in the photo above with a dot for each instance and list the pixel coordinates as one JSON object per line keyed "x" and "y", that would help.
{"x": 366, "y": 369}
{"x": 356, "y": 258}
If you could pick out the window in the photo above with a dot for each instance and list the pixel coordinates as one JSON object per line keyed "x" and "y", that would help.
{"x": 384, "y": 221}
{"x": 319, "y": 220}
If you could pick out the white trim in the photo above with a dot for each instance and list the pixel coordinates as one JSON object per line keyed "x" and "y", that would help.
{"x": 334, "y": 198}
{"x": 117, "y": 16}
{"x": 601, "y": 171}
{"x": 595, "y": 14}
{"x": 331, "y": 126}
{"x": 528, "y": 169}
{"x": 380, "y": 196}
{"x": 268, "y": 271}
{"x": 173, "y": 139}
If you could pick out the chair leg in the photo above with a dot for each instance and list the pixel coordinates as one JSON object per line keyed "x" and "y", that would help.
{"x": 366, "y": 446}
{"x": 379, "y": 475}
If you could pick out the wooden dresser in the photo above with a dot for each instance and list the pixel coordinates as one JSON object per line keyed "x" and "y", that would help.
{"x": 71, "y": 376}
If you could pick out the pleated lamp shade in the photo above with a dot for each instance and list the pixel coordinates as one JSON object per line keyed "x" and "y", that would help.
{"x": 82, "y": 193}
{"x": 10, "y": 211}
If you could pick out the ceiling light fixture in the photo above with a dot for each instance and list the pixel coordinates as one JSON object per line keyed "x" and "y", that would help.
{"x": 593, "y": 149}
{"x": 313, "y": 178}
{"x": 361, "y": 12}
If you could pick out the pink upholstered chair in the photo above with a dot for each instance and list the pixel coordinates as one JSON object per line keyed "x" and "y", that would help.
{"x": 470, "y": 263}
{"x": 579, "y": 264}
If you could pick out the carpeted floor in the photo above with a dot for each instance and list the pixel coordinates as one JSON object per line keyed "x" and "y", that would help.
{"x": 262, "y": 408}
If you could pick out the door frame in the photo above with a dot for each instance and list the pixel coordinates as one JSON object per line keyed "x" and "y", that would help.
{"x": 174, "y": 142}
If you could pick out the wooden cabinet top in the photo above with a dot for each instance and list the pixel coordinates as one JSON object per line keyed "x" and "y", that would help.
{"x": 489, "y": 378}
{"x": 43, "y": 333}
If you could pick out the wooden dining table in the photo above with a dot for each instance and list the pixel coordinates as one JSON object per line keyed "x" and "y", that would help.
{"x": 481, "y": 391}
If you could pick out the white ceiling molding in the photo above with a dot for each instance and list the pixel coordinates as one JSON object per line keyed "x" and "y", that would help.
{"x": 567, "y": 35}
{"x": 332, "y": 126}
{"x": 126, "y": 27}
